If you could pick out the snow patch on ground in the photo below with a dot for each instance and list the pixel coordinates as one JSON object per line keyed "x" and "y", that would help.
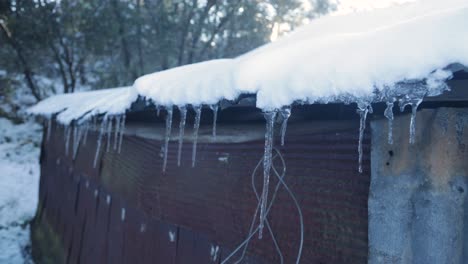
{"x": 19, "y": 186}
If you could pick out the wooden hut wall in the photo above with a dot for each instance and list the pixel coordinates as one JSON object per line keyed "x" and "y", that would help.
{"x": 127, "y": 211}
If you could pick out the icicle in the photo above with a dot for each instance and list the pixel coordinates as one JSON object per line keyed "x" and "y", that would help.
{"x": 75, "y": 139}
{"x": 196, "y": 127}
{"x": 215, "y": 108}
{"x": 67, "y": 139}
{"x": 158, "y": 110}
{"x": 285, "y": 114}
{"x": 168, "y": 135}
{"x": 414, "y": 101}
{"x": 99, "y": 141}
{"x": 183, "y": 118}
{"x": 117, "y": 130}
{"x": 389, "y": 115}
{"x": 267, "y": 162}
{"x": 78, "y": 132}
{"x": 109, "y": 133}
{"x": 49, "y": 128}
{"x": 95, "y": 119}
{"x": 403, "y": 102}
{"x": 363, "y": 109}
{"x": 122, "y": 130}
{"x": 86, "y": 130}
{"x": 414, "y": 110}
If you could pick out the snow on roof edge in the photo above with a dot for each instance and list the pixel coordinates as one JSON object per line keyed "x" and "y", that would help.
{"x": 83, "y": 105}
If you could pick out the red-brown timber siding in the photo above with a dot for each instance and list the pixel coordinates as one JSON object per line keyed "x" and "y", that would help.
{"x": 206, "y": 206}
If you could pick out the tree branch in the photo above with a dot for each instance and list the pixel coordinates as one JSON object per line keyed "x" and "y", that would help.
{"x": 28, "y": 74}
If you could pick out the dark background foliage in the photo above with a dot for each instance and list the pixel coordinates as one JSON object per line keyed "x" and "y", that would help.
{"x": 96, "y": 44}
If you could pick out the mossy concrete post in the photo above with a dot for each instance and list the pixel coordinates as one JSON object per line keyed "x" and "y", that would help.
{"x": 418, "y": 205}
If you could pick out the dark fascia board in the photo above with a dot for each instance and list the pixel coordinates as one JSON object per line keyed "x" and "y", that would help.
{"x": 458, "y": 92}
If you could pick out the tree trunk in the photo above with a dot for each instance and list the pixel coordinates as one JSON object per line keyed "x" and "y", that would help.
{"x": 28, "y": 74}
{"x": 124, "y": 42}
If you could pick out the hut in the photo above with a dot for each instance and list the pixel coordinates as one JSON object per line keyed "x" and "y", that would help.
{"x": 263, "y": 158}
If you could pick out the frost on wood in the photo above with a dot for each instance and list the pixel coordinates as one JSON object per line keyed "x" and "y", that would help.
{"x": 167, "y": 136}
{"x": 267, "y": 160}
{"x": 183, "y": 118}
{"x": 196, "y": 127}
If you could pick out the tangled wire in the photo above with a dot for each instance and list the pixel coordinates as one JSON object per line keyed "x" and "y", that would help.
{"x": 254, "y": 229}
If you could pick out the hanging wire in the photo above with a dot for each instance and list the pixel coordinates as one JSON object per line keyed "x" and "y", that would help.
{"x": 252, "y": 231}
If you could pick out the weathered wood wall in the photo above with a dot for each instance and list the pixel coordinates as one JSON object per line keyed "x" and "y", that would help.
{"x": 127, "y": 211}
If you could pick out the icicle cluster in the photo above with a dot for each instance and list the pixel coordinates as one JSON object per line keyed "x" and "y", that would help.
{"x": 106, "y": 130}
{"x": 405, "y": 93}
{"x": 183, "y": 120}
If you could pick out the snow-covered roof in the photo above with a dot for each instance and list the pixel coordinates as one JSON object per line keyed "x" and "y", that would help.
{"x": 337, "y": 56}
{"x": 357, "y": 53}
{"x": 84, "y": 105}
{"x": 200, "y": 83}
{"x": 334, "y": 58}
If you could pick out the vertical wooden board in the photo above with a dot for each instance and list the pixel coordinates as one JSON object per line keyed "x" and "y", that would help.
{"x": 167, "y": 236}
{"x": 225, "y": 253}
{"x": 71, "y": 188}
{"x": 90, "y": 234}
{"x": 102, "y": 227}
{"x": 193, "y": 248}
{"x": 186, "y": 247}
{"x": 116, "y": 233}
{"x": 46, "y": 170}
{"x": 149, "y": 255}
{"x": 85, "y": 157}
{"x": 53, "y": 197}
{"x": 63, "y": 192}
{"x": 132, "y": 252}
{"x": 79, "y": 222}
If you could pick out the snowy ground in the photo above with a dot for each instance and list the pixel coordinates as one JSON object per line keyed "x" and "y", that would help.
{"x": 19, "y": 182}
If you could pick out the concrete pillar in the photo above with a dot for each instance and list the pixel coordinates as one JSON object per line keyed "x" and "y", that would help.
{"x": 418, "y": 207}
